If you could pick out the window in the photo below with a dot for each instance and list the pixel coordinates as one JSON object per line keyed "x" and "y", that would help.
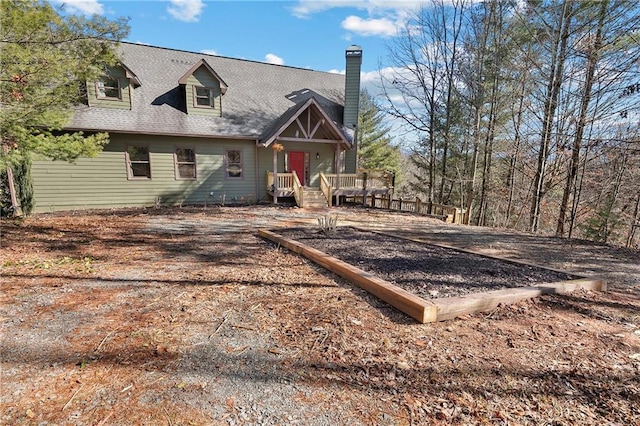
{"x": 138, "y": 162}
{"x": 204, "y": 97}
{"x": 233, "y": 158}
{"x": 185, "y": 163}
{"x": 108, "y": 88}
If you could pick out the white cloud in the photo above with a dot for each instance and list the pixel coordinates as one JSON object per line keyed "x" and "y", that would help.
{"x": 380, "y": 18}
{"x": 335, "y": 71}
{"x": 370, "y": 27}
{"x": 305, "y": 8}
{"x": 209, "y": 52}
{"x": 274, "y": 59}
{"x": 186, "y": 10}
{"x": 88, "y": 7}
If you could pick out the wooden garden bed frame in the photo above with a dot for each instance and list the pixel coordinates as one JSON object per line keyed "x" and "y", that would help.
{"x": 432, "y": 310}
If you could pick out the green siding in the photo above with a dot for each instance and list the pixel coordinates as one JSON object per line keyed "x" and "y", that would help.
{"x": 202, "y": 77}
{"x": 350, "y": 160}
{"x": 125, "y": 87}
{"x": 102, "y": 182}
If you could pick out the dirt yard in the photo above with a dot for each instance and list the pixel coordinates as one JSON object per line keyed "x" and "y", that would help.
{"x": 187, "y": 317}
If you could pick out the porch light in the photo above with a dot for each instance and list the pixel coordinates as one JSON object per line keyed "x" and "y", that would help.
{"x": 317, "y": 155}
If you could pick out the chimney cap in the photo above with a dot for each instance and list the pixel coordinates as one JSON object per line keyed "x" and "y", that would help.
{"x": 354, "y": 50}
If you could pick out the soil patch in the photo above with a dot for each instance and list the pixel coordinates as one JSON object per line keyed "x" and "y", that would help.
{"x": 425, "y": 270}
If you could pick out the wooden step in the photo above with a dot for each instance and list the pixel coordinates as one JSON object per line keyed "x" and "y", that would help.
{"x": 314, "y": 198}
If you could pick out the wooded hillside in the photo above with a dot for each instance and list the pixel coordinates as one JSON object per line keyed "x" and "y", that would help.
{"x": 525, "y": 113}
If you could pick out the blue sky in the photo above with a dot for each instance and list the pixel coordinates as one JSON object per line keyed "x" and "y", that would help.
{"x": 308, "y": 34}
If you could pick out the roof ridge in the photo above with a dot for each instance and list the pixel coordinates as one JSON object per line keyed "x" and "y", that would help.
{"x": 224, "y": 57}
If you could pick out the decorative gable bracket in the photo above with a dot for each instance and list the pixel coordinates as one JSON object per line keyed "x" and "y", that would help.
{"x": 306, "y": 122}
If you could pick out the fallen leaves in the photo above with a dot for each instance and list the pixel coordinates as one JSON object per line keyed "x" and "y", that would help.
{"x": 265, "y": 321}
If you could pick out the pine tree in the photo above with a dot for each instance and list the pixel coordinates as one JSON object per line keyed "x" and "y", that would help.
{"x": 375, "y": 150}
{"x": 45, "y": 60}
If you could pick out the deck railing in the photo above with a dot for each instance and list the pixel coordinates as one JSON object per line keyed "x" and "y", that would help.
{"x": 298, "y": 192}
{"x": 365, "y": 179}
{"x": 326, "y": 188}
{"x": 361, "y": 180}
{"x": 285, "y": 181}
{"x": 341, "y": 181}
{"x": 449, "y": 213}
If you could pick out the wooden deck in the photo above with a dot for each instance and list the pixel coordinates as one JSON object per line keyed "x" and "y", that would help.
{"x": 372, "y": 188}
{"x": 365, "y": 183}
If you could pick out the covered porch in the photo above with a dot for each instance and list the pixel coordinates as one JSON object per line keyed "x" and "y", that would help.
{"x": 309, "y": 153}
{"x": 332, "y": 186}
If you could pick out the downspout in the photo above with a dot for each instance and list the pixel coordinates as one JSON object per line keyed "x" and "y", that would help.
{"x": 355, "y": 143}
{"x": 275, "y": 176}
{"x": 337, "y": 166}
{"x": 257, "y": 171}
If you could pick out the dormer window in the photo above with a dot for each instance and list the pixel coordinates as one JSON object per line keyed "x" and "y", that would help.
{"x": 108, "y": 88}
{"x": 203, "y": 97}
{"x": 114, "y": 89}
{"x": 203, "y": 89}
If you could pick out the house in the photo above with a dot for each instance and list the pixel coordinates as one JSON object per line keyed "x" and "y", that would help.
{"x": 192, "y": 128}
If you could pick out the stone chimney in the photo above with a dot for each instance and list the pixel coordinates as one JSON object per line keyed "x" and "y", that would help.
{"x": 353, "y": 56}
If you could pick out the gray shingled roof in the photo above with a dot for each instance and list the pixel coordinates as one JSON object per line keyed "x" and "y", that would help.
{"x": 258, "y": 95}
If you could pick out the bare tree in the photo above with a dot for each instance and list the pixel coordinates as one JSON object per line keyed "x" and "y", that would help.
{"x": 559, "y": 26}
{"x": 425, "y": 59}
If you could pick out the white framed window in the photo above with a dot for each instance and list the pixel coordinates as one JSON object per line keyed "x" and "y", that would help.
{"x": 138, "y": 162}
{"x": 108, "y": 88}
{"x": 233, "y": 160}
{"x": 203, "y": 97}
{"x": 184, "y": 160}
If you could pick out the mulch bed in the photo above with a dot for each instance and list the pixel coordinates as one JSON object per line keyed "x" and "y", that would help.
{"x": 426, "y": 270}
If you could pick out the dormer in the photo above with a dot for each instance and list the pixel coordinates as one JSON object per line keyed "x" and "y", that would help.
{"x": 113, "y": 89}
{"x": 203, "y": 90}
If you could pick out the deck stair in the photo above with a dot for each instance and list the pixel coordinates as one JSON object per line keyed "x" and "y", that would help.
{"x": 313, "y": 198}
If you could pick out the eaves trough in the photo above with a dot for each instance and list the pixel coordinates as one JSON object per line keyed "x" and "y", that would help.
{"x": 440, "y": 309}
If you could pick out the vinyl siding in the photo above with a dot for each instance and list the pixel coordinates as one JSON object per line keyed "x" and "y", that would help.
{"x": 125, "y": 88}
{"x": 350, "y": 160}
{"x": 202, "y": 77}
{"x": 102, "y": 182}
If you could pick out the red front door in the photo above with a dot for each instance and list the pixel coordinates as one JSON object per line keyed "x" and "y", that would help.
{"x": 296, "y": 162}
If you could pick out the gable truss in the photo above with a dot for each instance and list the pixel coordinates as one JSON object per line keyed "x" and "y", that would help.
{"x": 308, "y": 123}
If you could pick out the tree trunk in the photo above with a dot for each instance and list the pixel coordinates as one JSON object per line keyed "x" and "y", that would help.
{"x": 516, "y": 149}
{"x": 474, "y": 163}
{"x": 613, "y": 198}
{"x": 635, "y": 221}
{"x": 593, "y": 57}
{"x": 550, "y": 106}
{"x": 450, "y": 64}
{"x": 577, "y": 193}
{"x": 15, "y": 205}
